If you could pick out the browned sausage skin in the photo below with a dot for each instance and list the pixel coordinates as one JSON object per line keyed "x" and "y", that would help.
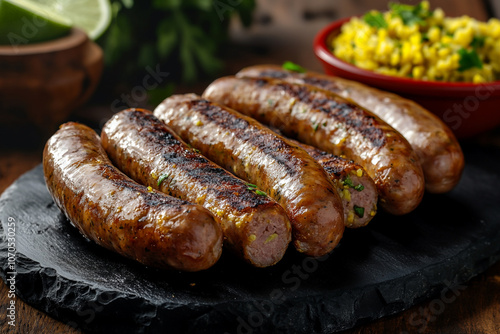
{"x": 355, "y": 187}
{"x": 142, "y": 146}
{"x": 256, "y": 154}
{"x": 327, "y": 121}
{"x": 434, "y": 143}
{"x": 122, "y": 215}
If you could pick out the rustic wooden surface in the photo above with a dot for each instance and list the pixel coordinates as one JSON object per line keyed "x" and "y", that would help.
{"x": 284, "y": 31}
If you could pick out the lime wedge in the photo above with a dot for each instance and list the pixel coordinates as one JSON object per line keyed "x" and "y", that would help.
{"x": 23, "y": 22}
{"x": 93, "y": 16}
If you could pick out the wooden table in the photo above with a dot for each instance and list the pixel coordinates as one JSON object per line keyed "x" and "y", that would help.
{"x": 283, "y": 31}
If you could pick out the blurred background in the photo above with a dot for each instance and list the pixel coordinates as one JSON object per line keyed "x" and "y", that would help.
{"x": 152, "y": 49}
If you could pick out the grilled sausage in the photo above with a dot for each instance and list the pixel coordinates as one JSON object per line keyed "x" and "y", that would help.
{"x": 327, "y": 121}
{"x": 142, "y": 146}
{"x": 256, "y": 154}
{"x": 355, "y": 187}
{"x": 122, "y": 215}
{"x": 434, "y": 143}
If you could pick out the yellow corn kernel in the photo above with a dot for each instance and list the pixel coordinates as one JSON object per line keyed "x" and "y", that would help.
{"x": 418, "y": 58}
{"x": 350, "y": 217}
{"x": 252, "y": 237}
{"x": 359, "y": 172}
{"x": 463, "y": 36}
{"x": 154, "y": 175}
{"x": 446, "y": 39}
{"x": 417, "y": 72}
{"x": 150, "y": 189}
{"x": 434, "y": 34}
{"x": 395, "y": 58}
{"x": 199, "y": 123}
{"x": 347, "y": 195}
{"x": 373, "y": 213}
{"x": 478, "y": 78}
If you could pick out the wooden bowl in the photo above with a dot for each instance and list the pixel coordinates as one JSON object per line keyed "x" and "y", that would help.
{"x": 42, "y": 83}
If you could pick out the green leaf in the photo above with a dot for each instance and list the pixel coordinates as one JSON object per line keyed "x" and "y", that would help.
{"x": 359, "y": 211}
{"x": 204, "y": 5}
{"x": 260, "y": 192}
{"x": 146, "y": 55}
{"x": 359, "y": 187}
{"x": 411, "y": 14}
{"x": 290, "y": 66}
{"x": 167, "y": 4}
{"x": 477, "y": 42}
{"x": 167, "y": 38}
{"x": 468, "y": 60}
{"x": 348, "y": 182}
{"x": 162, "y": 178}
{"x": 208, "y": 62}
{"x": 375, "y": 19}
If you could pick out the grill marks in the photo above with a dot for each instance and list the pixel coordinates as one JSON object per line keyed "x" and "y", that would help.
{"x": 350, "y": 114}
{"x": 205, "y": 173}
{"x": 268, "y": 143}
{"x": 151, "y": 199}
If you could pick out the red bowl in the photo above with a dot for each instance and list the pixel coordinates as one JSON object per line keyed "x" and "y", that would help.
{"x": 468, "y": 109}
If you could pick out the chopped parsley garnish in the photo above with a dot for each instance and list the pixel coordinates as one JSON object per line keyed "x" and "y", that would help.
{"x": 254, "y": 187}
{"x": 196, "y": 150}
{"x": 290, "y": 66}
{"x": 315, "y": 128}
{"x": 375, "y": 19}
{"x": 411, "y": 14}
{"x": 359, "y": 187}
{"x": 477, "y": 42}
{"x": 359, "y": 211}
{"x": 162, "y": 178}
{"x": 348, "y": 182}
{"x": 468, "y": 60}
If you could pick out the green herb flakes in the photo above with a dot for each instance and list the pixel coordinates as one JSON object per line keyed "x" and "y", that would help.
{"x": 290, "y": 66}
{"x": 359, "y": 211}
{"x": 162, "y": 178}
{"x": 359, "y": 187}
{"x": 468, "y": 60}
{"x": 375, "y": 19}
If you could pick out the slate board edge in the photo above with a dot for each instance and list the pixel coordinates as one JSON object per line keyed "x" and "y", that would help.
{"x": 463, "y": 270}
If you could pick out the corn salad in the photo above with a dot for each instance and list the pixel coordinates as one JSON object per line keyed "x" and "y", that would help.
{"x": 415, "y": 42}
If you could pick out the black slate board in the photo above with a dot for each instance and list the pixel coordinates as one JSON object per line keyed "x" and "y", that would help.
{"x": 379, "y": 270}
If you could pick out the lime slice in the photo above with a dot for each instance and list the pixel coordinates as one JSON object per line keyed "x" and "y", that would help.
{"x": 93, "y": 16}
{"x": 23, "y": 22}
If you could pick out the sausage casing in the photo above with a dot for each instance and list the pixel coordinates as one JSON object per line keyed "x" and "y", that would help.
{"x": 256, "y": 154}
{"x": 356, "y": 189}
{"x": 327, "y": 121}
{"x": 434, "y": 143}
{"x": 122, "y": 215}
{"x": 254, "y": 226}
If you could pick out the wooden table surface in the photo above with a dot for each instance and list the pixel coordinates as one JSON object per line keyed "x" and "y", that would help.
{"x": 283, "y": 31}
